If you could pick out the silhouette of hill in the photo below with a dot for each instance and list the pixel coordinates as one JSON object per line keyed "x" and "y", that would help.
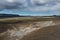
{"x": 8, "y": 15}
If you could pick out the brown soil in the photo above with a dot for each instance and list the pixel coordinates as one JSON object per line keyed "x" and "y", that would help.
{"x": 47, "y": 33}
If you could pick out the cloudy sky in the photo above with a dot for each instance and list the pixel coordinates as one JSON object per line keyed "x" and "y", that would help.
{"x": 30, "y": 7}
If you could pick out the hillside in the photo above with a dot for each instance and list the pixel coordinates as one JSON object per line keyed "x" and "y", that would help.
{"x": 8, "y": 15}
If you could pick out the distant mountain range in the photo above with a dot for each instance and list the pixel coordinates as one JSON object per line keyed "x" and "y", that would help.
{"x": 8, "y": 15}
{"x": 2, "y": 15}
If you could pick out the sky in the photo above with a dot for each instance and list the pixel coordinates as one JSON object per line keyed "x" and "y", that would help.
{"x": 30, "y": 7}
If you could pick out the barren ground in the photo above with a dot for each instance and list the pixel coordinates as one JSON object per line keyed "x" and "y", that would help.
{"x": 30, "y": 29}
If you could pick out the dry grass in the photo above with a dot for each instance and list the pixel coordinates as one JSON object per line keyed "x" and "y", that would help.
{"x": 42, "y": 34}
{"x": 26, "y": 19}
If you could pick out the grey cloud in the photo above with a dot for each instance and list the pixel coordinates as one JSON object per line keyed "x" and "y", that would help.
{"x": 16, "y": 4}
{"x": 44, "y": 2}
{"x": 39, "y": 4}
{"x": 31, "y": 5}
{"x": 45, "y": 5}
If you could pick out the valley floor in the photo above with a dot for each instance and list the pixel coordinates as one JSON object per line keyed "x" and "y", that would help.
{"x": 30, "y": 29}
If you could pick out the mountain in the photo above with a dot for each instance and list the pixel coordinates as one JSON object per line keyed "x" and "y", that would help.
{"x": 8, "y": 15}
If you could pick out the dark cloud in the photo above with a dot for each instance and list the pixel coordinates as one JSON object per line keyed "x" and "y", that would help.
{"x": 15, "y": 4}
{"x": 44, "y": 3}
{"x": 39, "y": 4}
{"x": 30, "y": 5}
